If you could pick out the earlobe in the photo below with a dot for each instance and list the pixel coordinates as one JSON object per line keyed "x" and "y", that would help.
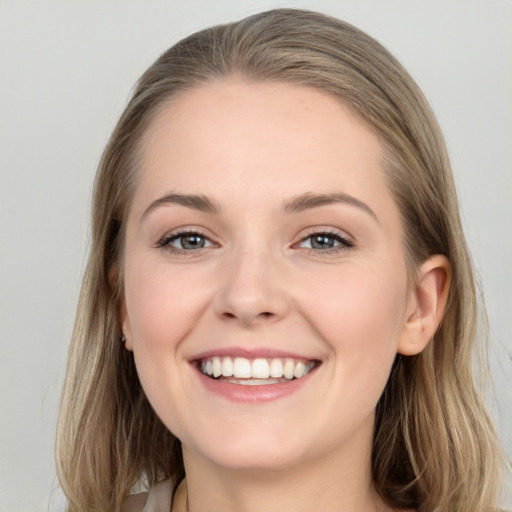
{"x": 426, "y": 306}
{"x": 124, "y": 320}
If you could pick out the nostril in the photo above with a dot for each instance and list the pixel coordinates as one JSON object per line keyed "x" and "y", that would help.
{"x": 265, "y": 314}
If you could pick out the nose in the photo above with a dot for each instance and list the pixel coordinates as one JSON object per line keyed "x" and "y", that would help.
{"x": 251, "y": 290}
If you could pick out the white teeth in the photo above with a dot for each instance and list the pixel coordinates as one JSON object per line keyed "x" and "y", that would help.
{"x": 256, "y": 382}
{"x": 257, "y": 371}
{"x": 260, "y": 369}
{"x": 288, "y": 369}
{"x": 299, "y": 371}
{"x": 216, "y": 366}
{"x": 276, "y": 368}
{"x": 242, "y": 368}
{"x": 227, "y": 367}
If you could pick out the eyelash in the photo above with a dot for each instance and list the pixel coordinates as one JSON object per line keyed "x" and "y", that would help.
{"x": 344, "y": 243}
{"x": 165, "y": 242}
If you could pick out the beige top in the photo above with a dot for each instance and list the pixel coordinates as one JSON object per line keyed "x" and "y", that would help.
{"x": 158, "y": 499}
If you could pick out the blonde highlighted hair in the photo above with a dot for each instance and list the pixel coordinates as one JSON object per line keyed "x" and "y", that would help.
{"x": 434, "y": 447}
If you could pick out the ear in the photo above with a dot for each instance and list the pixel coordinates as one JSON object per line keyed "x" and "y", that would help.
{"x": 427, "y": 302}
{"x": 124, "y": 320}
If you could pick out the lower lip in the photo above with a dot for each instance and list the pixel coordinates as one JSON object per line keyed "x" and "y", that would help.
{"x": 253, "y": 394}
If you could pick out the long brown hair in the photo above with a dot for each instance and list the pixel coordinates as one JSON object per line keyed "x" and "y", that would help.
{"x": 434, "y": 447}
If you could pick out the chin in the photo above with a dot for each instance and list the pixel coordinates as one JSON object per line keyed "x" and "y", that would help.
{"x": 253, "y": 451}
{"x": 259, "y": 460}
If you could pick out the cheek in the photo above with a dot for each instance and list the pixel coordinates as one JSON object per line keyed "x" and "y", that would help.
{"x": 161, "y": 304}
{"x": 160, "y": 317}
{"x": 357, "y": 300}
{"x": 163, "y": 307}
{"x": 360, "y": 314}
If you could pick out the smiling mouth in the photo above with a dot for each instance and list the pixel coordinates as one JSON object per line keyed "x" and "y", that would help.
{"x": 255, "y": 372}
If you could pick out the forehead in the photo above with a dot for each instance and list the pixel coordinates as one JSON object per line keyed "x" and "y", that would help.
{"x": 232, "y": 138}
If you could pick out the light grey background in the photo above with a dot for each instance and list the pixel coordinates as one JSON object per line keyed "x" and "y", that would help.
{"x": 66, "y": 71}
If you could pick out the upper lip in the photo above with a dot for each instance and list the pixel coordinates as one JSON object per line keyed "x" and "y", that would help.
{"x": 250, "y": 353}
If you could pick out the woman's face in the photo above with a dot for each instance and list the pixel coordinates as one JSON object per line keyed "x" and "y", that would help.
{"x": 265, "y": 279}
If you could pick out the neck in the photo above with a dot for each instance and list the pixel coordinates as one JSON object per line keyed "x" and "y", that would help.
{"x": 335, "y": 482}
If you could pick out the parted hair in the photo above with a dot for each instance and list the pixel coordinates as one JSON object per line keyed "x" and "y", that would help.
{"x": 434, "y": 447}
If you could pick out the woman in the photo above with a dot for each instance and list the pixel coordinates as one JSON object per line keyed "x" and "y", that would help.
{"x": 279, "y": 309}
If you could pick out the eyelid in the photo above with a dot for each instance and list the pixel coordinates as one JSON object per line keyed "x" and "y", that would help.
{"x": 329, "y": 231}
{"x": 346, "y": 241}
{"x": 164, "y": 242}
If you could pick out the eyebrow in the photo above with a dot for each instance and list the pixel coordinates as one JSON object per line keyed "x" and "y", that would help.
{"x": 296, "y": 204}
{"x": 196, "y": 202}
{"x": 310, "y": 200}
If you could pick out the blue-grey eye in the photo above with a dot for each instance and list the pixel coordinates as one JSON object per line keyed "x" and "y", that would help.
{"x": 324, "y": 241}
{"x": 189, "y": 241}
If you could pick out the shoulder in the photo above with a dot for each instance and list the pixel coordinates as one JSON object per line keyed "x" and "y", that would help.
{"x": 158, "y": 499}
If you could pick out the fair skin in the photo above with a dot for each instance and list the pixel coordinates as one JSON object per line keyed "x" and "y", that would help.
{"x": 262, "y": 228}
